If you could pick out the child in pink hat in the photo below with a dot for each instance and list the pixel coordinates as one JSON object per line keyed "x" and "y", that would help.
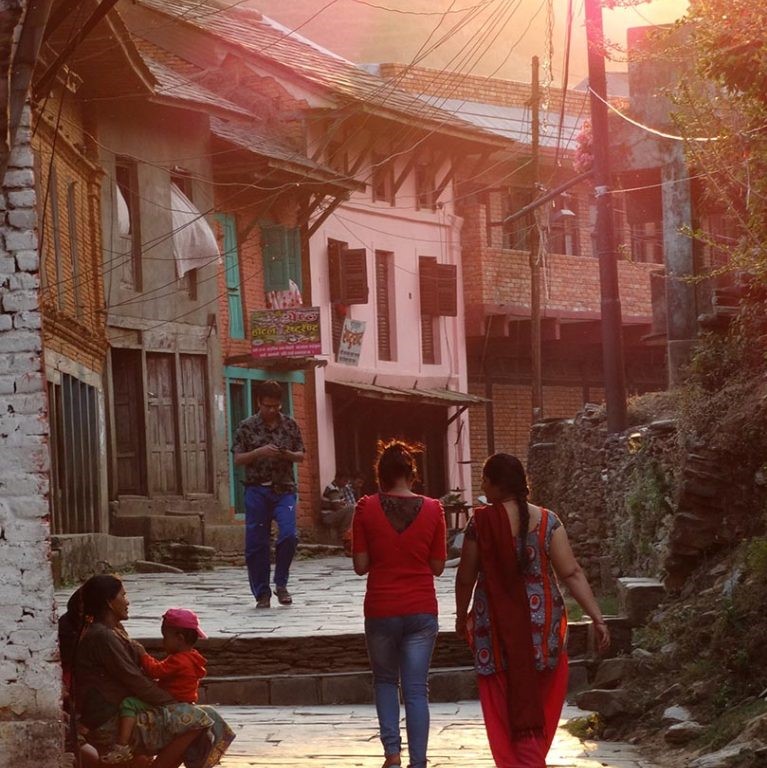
{"x": 179, "y": 673}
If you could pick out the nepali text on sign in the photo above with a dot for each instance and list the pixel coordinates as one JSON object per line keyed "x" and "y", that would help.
{"x": 351, "y": 342}
{"x": 293, "y": 332}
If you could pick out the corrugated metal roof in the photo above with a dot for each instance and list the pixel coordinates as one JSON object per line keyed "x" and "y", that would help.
{"x": 441, "y": 397}
{"x": 266, "y": 39}
{"x": 514, "y": 122}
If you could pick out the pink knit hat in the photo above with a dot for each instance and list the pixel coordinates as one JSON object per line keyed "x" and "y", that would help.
{"x": 182, "y": 618}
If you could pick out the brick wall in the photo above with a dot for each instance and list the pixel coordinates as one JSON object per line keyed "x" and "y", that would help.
{"x": 30, "y": 675}
{"x": 71, "y": 285}
{"x": 254, "y": 298}
{"x": 486, "y": 90}
{"x": 512, "y": 409}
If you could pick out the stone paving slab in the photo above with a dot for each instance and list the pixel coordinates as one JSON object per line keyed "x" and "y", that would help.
{"x": 327, "y": 596}
{"x": 347, "y": 737}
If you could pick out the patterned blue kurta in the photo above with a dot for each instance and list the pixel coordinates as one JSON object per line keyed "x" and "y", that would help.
{"x": 547, "y": 607}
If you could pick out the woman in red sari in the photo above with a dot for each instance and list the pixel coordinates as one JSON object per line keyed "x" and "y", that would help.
{"x": 515, "y": 553}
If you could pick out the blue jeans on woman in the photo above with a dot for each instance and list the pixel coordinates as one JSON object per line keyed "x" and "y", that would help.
{"x": 400, "y": 649}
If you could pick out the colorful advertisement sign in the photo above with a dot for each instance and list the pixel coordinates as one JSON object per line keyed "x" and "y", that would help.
{"x": 291, "y": 332}
{"x": 351, "y": 342}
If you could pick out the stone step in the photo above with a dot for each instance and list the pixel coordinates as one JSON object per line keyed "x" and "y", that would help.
{"x": 448, "y": 684}
{"x": 638, "y": 597}
{"x": 330, "y": 654}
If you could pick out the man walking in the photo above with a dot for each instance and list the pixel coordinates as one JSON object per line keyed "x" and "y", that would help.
{"x": 268, "y": 444}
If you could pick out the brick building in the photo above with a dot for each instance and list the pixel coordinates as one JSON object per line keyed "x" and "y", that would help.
{"x": 496, "y": 261}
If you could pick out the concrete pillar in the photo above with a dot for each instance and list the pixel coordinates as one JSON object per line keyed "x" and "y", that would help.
{"x": 681, "y": 310}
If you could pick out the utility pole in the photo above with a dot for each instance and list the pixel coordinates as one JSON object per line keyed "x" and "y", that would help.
{"x": 536, "y": 372}
{"x": 612, "y": 339}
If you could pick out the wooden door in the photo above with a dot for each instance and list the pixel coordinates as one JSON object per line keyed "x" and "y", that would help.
{"x": 195, "y": 445}
{"x": 128, "y": 421}
{"x": 161, "y": 425}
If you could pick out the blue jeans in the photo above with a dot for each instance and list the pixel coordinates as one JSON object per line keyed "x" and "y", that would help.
{"x": 262, "y": 505}
{"x": 400, "y": 649}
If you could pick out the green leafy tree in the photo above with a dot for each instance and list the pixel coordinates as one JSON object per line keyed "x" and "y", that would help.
{"x": 727, "y": 104}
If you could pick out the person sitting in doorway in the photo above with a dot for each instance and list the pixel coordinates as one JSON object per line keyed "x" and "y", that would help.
{"x": 338, "y": 502}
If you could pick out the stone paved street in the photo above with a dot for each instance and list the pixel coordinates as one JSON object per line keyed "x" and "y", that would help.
{"x": 327, "y": 593}
{"x": 328, "y": 600}
{"x": 346, "y": 737}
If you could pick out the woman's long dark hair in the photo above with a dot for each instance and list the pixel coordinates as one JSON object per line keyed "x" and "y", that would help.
{"x": 396, "y": 461}
{"x": 507, "y": 473}
{"x": 97, "y": 593}
{"x": 89, "y": 602}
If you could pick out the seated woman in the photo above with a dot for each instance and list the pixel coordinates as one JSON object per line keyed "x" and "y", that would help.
{"x": 107, "y": 671}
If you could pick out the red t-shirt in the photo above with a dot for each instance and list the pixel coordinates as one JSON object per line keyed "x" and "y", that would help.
{"x": 178, "y": 673}
{"x": 400, "y": 580}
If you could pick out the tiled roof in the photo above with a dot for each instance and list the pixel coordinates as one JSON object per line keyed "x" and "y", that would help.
{"x": 175, "y": 80}
{"x": 266, "y": 39}
{"x": 248, "y": 136}
{"x": 172, "y": 84}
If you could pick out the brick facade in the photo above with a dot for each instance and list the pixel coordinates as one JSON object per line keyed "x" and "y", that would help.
{"x": 253, "y": 297}
{"x": 72, "y": 295}
{"x": 30, "y": 675}
{"x": 512, "y": 409}
{"x": 486, "y": 90}
{"x": 496, "y": 277}
{"x": 500, "y": 277}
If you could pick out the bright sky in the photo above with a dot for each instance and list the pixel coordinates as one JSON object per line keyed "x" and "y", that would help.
{"x": 485, "y": 37}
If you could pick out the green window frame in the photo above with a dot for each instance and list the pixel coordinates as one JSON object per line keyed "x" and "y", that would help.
{"x": 246, "y": 377}
{"x": 281, "y": 254}
{"x": 232, "y": 273}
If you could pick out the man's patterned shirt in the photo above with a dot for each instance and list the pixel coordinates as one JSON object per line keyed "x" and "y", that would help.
{"x": 253, "y": 433}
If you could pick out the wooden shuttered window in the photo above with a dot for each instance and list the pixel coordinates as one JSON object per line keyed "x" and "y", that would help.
{"x": 438, "y": 287}
{"x": 383, "y": 305}
{"x": 425, "y": 187}
{"x": 281, "y": 254}
{"x": 516, "y": 234}
{"x": 383, "y": 179}
{"x": 428, "y": 341}
{"x": 126, "y": 178}
{"x": 347, "y": 273}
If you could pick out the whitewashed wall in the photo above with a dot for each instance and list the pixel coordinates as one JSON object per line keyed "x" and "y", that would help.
{"x": 30, "y": 674}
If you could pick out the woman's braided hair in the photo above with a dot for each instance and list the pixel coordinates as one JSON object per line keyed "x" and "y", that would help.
{"x": 507, "y": 473}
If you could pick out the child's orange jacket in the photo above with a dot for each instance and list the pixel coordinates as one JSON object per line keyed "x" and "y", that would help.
{"x": 179, "y": 674}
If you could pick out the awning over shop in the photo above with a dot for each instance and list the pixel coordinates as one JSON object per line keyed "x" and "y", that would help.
{"x": 416, "y": 396}
{"x": 276, "y": 363}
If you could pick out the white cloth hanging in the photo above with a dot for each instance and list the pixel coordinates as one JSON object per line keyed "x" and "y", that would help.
{"x": 194, "y": 244}
{"x": 123, "y": 213}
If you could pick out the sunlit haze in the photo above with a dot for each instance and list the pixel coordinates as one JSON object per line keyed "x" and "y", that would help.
{"x": 484, "y": 37}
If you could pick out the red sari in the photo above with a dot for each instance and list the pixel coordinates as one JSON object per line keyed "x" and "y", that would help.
{"x": 521, "y": 702}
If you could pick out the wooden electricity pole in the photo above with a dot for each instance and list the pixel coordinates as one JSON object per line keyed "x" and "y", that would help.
{"x": 612, "y": 339}
{"x": 534, "y": 240}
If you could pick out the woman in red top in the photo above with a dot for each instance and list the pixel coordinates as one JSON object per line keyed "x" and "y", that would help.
{"x": 399, "y": 541}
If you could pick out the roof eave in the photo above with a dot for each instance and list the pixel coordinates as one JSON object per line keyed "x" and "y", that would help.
{"x": 191, "y": 105}
{"x": 480, "y": 138}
